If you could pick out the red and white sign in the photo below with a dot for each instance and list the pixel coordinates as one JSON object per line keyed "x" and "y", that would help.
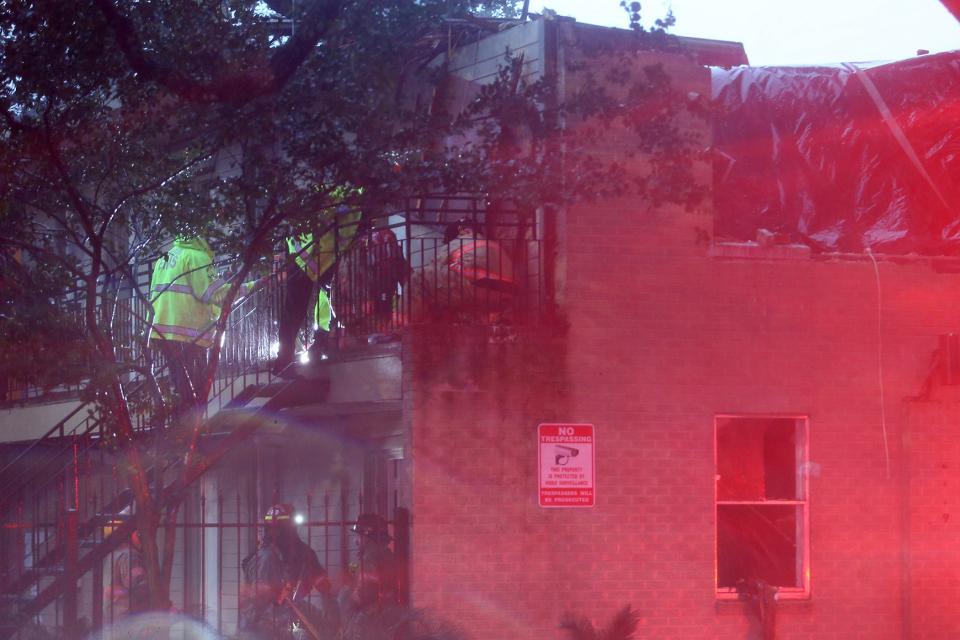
{"x": 566, "y": 465}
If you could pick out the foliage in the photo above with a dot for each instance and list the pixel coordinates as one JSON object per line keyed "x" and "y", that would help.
{"x": 126, "y": 124}
{"x": 621, "y": 627}
{"x": 506, "y": 9}
{"x": 392, "y": 623}
{"x": 632, "y": 9}
{"x": 35, "y": 330}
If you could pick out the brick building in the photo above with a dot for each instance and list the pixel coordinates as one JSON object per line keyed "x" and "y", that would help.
{"x": 760, "y": 411}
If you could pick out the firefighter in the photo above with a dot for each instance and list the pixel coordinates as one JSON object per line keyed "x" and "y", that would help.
{"x": 469, "y": 275}
{"x": 375, "y": 581}
{"x": 309, "y": 265}
{"x": 278, "y": 577}
{"x": 482, "y": 262}
{"x": 386, "y": 268}
{"x": 186, "y": 292}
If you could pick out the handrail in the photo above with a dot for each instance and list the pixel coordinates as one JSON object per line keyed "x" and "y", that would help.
{"x": 11, "y": 487}
{"x": 129, "y": 290}
{"x": 47, "y": 594}
{"x": 246, "y": 348}
{"x": 59, "y": 426}
{"x": 51, "y": 592}
{"x": 57, "y": 432}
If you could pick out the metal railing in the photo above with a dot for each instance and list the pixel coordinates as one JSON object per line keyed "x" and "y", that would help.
{"x": 215, "y": 533}
{"x": 124, "y": 310}
{"x": 65, "y": 483}
{"x": 245, "y": 352}
{"x": 61, "y": 476}
{"x": 381, "y": 287}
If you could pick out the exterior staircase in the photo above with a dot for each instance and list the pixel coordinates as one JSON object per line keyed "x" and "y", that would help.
{"x": 61, "y": 493}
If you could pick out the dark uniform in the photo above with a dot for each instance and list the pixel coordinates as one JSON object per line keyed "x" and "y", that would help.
{"x": 376, "y": 580}
{"x": 387, "y": 268}
{"x": 283, "y": 570}
{"x": 310, "y": 263}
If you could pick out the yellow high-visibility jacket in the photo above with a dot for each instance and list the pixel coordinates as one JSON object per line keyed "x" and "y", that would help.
{"x": 317, "y": 257}
{"x": 186, "y": 293}
{"x": 322, "y": 312}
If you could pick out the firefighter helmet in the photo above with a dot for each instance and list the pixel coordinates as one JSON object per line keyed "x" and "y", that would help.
{"x": 455, "y": 229}
{"x": 281, "y": 513}
{"x": 372, "y": 525}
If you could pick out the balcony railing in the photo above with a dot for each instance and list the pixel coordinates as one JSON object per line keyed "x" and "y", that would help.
{"x": 62, "y": 490}
{"x": 378, "y": 288}
{"x": 468, "y": 279}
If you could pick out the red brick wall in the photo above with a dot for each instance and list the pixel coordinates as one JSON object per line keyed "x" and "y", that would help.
{"x": 661, "y": 337}
{"x": 932, "y": 503}
{"x": 480, "y": 551}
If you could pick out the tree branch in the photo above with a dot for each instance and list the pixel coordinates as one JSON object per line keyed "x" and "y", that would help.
{"x": 37, "y": 250}
{"x": 232, "y": 88}
{"x": 149, "y": 188}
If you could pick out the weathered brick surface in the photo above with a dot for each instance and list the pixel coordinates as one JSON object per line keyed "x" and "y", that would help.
{"x": 933, "y": 504}
{"x": 661, "y": 337}
{"x": 659, "y": 342}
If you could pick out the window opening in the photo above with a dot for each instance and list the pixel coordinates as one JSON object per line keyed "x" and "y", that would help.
{"x": 761, "y": 500}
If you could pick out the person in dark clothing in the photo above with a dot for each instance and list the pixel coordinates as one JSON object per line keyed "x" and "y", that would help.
{"x": 300, "y": 290}
{"x": 376, "y": 577}
{"x": 278, "y": 577}
{"x": 388, "y": 268}
{"x": 309, "y": 271}
{"x": 367, "y": 282}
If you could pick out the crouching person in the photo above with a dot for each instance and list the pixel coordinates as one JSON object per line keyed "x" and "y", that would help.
{"x": 278, "y": 577}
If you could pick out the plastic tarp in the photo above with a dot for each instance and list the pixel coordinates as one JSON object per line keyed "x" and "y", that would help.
{"x": 841, "y": 158}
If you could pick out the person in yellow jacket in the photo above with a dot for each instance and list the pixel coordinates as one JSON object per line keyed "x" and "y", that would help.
{"x": 186, "y": 294}
{"x": 310, "y": 264}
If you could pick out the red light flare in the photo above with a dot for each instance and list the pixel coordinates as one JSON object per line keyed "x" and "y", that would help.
{"x": 953, "y": 6}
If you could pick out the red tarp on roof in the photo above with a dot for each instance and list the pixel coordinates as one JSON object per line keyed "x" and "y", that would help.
{"x": 841, "y": 158}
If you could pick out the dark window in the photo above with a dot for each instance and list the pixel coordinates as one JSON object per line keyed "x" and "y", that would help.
{"x": 761, "y": 502}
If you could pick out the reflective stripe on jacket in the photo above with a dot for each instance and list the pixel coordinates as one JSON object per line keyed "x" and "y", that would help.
{"x": 315, "y": 258}
{"x": 186, "y": 293}
{"x": 480, "y": 260}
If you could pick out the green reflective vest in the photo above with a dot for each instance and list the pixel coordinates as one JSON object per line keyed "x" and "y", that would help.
{"x": 323, "y": 313}
{"x": 317, "y": 257}
{"x": 186, "y": 293}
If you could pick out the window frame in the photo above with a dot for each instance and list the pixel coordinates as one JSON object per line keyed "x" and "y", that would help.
{"x": 803, "y": 488}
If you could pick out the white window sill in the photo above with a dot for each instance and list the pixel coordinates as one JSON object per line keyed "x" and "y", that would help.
{"x": 783, "y": 595}
{"x": 757, "y": 251}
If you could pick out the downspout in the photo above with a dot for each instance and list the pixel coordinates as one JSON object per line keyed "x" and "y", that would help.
{"x": 906, "y": 548}
{"x": 551, "y": 73}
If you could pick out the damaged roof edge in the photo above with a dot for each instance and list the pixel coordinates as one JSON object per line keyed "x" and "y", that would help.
{"x": 716, "y": 53}
{"x": 707, "y": 52}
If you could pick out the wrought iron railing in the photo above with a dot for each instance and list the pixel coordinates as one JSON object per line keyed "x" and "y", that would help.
{"x": 381, "y": 288}
{"x": 65, "y": 483}
{"x": 401, "y": 275}
{"x": 215, "y": 533}
{"x": 52, "y": 476}
{"x": 124, "y": 309}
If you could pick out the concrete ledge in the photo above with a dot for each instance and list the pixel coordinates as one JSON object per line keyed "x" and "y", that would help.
{"x": 756, "y": 251}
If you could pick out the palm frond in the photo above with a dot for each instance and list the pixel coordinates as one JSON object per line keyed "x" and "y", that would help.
{"x": 578, "y": 627}
{"x": 623, "y": 625}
